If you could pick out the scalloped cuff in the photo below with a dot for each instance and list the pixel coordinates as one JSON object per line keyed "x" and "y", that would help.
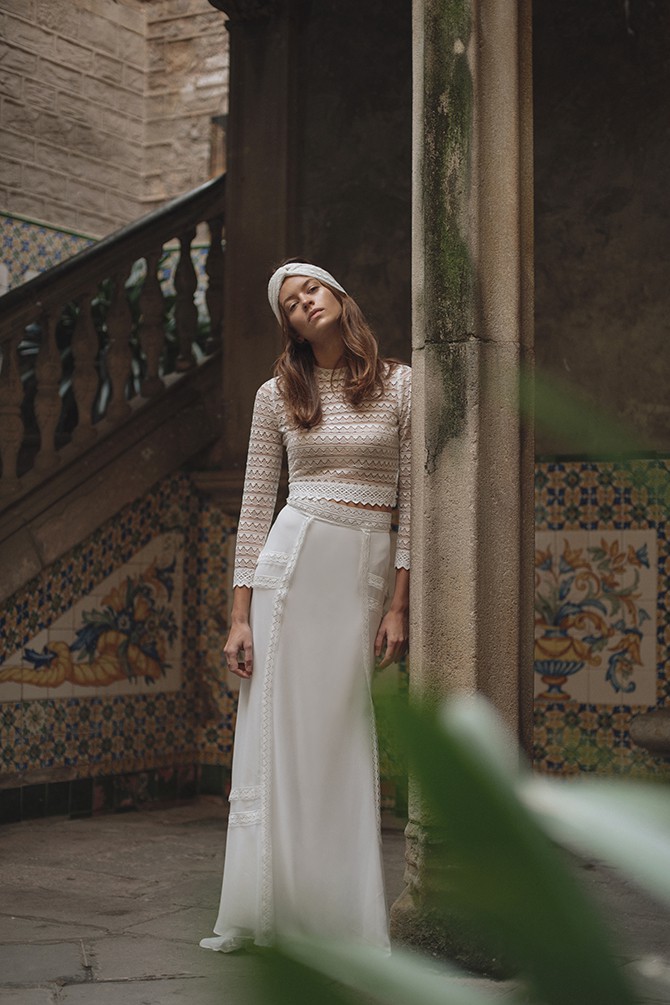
{"x": 401, "y": 558}
{"x": 243, "y": 577}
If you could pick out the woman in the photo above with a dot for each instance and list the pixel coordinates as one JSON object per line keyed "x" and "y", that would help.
{"x": 303, "y": 850}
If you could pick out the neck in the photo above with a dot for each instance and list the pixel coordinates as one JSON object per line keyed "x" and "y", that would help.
{"x": 329, "y": 354}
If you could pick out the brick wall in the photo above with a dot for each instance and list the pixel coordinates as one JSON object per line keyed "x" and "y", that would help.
{"x": 106, "y": 106}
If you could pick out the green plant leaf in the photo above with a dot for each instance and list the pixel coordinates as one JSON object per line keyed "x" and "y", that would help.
{"x": 500, "y": 871}
{"x": 626, "y": 824}
{"x": 401, "y": 979}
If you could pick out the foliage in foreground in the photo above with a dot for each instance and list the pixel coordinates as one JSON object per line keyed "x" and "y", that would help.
{"x": 505, "y": 875}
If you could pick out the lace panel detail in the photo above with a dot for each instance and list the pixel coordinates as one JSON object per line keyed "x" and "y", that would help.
{"x": 346, "y": 516}
{"x": 247, "y": 818}
{"x": 244, "y": 792}
{"x": 401, "y": 558}
{"x": 353, "y": 455}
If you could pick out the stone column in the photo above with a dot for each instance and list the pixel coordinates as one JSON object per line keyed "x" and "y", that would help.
{"x": 472, "y": 546}
{"x": 260, "y": 216}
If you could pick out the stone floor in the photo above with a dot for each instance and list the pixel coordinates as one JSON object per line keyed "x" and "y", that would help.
{"x": 108, "y": 911}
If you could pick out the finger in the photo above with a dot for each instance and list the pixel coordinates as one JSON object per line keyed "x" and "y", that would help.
{"x": 248, "y": 659}
{"x": 379, "y": 642}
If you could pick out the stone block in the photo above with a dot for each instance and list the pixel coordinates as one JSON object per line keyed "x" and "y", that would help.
{"x": 25, "y": 8}
{"x": 169, "y": 8}
{"x": 101, "y": 34}
{"x": 61, "y": 75}
{"x": 71, "y": 106}
{"x": 37, "y": 94}
{"x": 61, "y": 16}
{"x": 53, "y": 128}
{"x": 12, "y": 58}
{"x": 108, "y": 68}
{"x": 14, "y": 145}
{"x": 135, "y": 49}
{"x": 95, "y": 224}
{"x": 85, "y": 195}
{"x": 10, "y": 172}
{"x": 29, "y": 36}
{"x": 122, "y": 207}
{"x": 49, "y": 184}
{"x": 73, "y": 55}
{"x": 23, "y": 202}
{"x": 120, "y": 125}
{"x": 133, "y": 78}
{"x": 58, "y": 158}
{"x": 85, "y": 140}
{"x": 19, "y": 117}
{"x": 11, "y": 84}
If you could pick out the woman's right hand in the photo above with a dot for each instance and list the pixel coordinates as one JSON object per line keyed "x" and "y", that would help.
{"x": 239, "y": 642}
{"x": 238, "y": 650}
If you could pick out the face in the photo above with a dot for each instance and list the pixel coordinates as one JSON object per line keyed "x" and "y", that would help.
{"x": 313, "y": 311}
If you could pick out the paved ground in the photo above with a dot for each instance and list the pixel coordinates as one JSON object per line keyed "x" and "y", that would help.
{"x": 109, "y": 911}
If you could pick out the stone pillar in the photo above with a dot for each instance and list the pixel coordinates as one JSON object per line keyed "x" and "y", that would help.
{"x": 260, "y": 216}
{"x": 472, "y": 549}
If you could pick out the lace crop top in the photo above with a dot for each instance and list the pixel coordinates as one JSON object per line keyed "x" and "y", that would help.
{"x": 353, "y": 455}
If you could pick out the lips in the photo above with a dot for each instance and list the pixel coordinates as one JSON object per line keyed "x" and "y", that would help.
{"x": 314, "y": 313}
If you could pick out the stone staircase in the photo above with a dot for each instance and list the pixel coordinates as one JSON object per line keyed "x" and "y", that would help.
{"x": 110, "y": 378}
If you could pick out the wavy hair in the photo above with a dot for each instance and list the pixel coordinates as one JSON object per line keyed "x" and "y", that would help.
{"x": 366, "y": 375}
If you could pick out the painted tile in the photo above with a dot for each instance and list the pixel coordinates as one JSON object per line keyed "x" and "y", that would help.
{"x": 126, "y": 633}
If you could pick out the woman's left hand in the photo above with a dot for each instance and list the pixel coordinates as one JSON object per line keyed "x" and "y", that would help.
{"x": 394, "y": 635}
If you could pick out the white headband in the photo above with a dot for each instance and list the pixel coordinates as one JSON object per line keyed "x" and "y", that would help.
{"x": 296, "y": 269}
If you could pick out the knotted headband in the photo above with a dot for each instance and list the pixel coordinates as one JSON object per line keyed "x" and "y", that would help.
{"x": 296, "y": 269}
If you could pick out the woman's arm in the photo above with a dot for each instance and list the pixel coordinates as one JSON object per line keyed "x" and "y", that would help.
{"x": 394, "y": 628}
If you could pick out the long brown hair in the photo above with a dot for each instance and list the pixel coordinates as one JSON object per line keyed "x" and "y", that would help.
{"x": 366, "y": 374}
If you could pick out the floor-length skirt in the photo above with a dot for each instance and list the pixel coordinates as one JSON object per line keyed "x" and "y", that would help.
{"x": 303, "y": 852}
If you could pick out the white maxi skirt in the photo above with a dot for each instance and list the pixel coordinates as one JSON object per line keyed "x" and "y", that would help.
{"x": 303, "y": 852}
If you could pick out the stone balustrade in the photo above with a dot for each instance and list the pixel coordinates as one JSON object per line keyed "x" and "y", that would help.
{"x": 82, "y": 349}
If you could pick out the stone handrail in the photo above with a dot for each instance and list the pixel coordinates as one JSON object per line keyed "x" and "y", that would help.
{"x": 69, "y": 337}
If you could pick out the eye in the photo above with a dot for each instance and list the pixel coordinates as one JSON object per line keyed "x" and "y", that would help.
{"x": 313, "y": 288}
{"x": 291, "y": 306}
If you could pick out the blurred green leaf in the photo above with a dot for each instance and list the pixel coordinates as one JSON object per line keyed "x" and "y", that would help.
{"x": 626, "y": 824}
{"x": 500, "y": 870}
{"x": 560, "y": 409}
{"x": 402, "y": 979}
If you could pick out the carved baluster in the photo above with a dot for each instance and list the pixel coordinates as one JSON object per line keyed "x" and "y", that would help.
{"x": 118, "y": 359}
{"x": 186, "y": 314}
{"x": 214, "y": 269}
{"x": 152, "y": 326}
{"x": 48, "y": 372}
{"x": 85, "y": 375}
{"x": 11, "y": 423}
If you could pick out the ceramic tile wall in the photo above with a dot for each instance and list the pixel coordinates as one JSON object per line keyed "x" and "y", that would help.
{"x": 602, "y": 610}
{"x": 104, "y": 657}
{"x": 30, "y": 247}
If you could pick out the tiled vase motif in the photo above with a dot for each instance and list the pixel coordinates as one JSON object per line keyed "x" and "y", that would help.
{"x": 602, "y": 611}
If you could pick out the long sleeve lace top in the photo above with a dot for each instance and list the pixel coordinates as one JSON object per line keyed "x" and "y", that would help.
{"x": 354, "y": 455}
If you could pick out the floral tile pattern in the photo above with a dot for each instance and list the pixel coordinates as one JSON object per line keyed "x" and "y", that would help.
{"x": 602, "y": 613}
{"x": 595, "y": 616}
{"x": 123, "y": 637}
{"x": 143, "y": 604}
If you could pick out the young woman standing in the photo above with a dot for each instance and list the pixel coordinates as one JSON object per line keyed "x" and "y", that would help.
{"x": 303, "y": 850}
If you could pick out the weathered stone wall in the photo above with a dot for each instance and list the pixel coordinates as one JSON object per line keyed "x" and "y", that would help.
{"x": 187, "y": 85}
{"x": 72, "y": 74}
{"x": 602, "y": 142}
{"x": 106, "y": 106}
